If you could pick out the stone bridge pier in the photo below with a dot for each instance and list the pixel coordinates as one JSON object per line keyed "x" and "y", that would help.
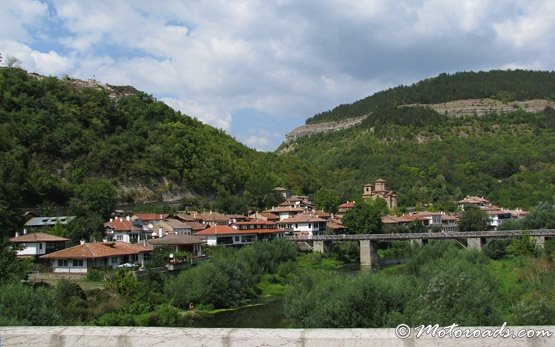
{"x": 322, "y": 247}
{"x": 368, "y": 254}
{"x": 474, "y": 243}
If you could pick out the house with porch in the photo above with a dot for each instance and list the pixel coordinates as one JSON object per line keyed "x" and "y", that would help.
{"x": 304, "y": 224}
{"x": 241, "y": 233}
{"x": 86, "y": 256}
{"x": 181, "y": 243}
{"x": 125, "y": 230}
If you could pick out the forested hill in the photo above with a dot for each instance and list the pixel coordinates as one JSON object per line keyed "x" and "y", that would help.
{"x": 58, "y": 134}
{"x": 501, "y": 85}
{"x": 431, "y": 159}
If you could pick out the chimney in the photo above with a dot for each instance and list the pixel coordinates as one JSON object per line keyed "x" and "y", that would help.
{"x": 25, "y": 231}
{"x": 160, "y": 216}
{"x": 104, "y": 240}
{"x": 82, "y": 242}
{"x": 17, "y": 234}
{"x": 120, "y": 219}
{"x": 111, "y": 220}
{"x": 128, "y": 218}
{"x": 160, "y": 232}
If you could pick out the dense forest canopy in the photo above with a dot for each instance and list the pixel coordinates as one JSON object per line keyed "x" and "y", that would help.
{"x": 56, "y": 134}
{"x": 501, "y": 85}
{"x": 431, "y": 160}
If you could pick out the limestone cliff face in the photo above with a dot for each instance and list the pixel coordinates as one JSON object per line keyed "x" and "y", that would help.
{"x": 481, "y": 107}
{"x": 311, "y": 129}
{"x": 458, "y": 108}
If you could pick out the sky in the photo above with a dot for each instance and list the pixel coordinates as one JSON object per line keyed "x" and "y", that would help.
{"x": 257, "y": 69}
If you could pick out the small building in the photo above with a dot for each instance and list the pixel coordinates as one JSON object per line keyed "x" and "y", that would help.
{"x": 270, "y": 217}
{"x": 306, "y": 224}
{"x": 86, "y": 256}
{"x": 379, "y": 190}
{"x": 125, "y": 230}
{"x": 46, "y": 222}
{"x": 146, "y": 218}
{"x": 346, "y": 206}
{"x": 173, "y": 226}
{"x": 477, "y": 201}
{"x": 181, "y": 243}
{"x": 498, "y": 217}
{"x": 285, "y": 212}
{"x": 37, "y": 244}
{"x": 241, "y": 233}
{"x": 284, "y": 192}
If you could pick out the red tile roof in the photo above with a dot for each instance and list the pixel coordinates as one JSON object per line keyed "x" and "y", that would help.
{"x": 151, "y": 216}
{"x": 227, "y": 230}
{"x": 120, "y": 225}
{"x": 98, "y": 250}
{"x": 348, "y": 204}
{"x": 303, "y": 218}
{"x": 284, "y": 209}
{"x": 37, "y": 237}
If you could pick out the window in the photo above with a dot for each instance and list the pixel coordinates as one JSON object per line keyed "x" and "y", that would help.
{"x": 40, "y": 246}
{"x": 78, "y": 262}
{"x": 119, "y": 237}
{"x": 62, "y": 262}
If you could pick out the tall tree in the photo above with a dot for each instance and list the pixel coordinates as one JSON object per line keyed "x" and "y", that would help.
{"x": 473, "y": 219}
{"x": 365, "y": 217}
{"x": 327, "y": 200}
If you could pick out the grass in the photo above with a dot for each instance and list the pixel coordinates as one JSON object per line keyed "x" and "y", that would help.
{"x": 87, "y": 285}
{"x": 271, "y": 289}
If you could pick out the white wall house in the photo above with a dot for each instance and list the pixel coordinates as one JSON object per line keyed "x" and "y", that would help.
{"x": 304, "y": 225}
{"x": 37, "y": 244}
{"x": 86, "y": 256}
{"x": 285, "y": 212}
{"x": 240, "y": 233}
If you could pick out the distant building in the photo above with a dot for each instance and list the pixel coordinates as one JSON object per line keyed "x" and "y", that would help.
{"x": 37, "y": 244}
{"x": 284, "y": 192}
{"x": 241, "y": 233}
{"x": 181, "y": 243}
{"x": 125, "y": 230}
{"x": 305, "y": 224}
{"x": 378, "y": 190}
{"x": 473, "y": 201}
{"x": 46, "y": 222}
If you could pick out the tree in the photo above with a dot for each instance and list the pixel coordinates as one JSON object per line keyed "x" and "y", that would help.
{"x": 97, "y": 197}
{"x": 523, "y": 246}
{"x": 25, "y": 305}
{"x": 12, "y": 269}
{"x": 326, "y": 200}
{"x": 12, "y": 61}
{"x": 473, "y": 219}
{"x": 365, "y": 217}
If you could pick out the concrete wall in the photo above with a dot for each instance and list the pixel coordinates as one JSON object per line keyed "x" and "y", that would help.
{"x": 128, "y": 336}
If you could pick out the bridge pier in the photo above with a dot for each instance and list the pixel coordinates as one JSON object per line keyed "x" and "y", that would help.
{"x": 540, "y": 241}
{"x": 416, "y": 243}
{"x": 474, "y": 243}
{"x": 368, "y": 254}
{"x": 320, "y": 247}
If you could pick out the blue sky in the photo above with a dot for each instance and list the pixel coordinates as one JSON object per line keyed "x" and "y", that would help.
{"x": 257, "y": 69}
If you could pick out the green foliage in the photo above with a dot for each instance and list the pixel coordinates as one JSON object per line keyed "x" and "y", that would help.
{"x": 24, "y": 305}
{"x": 71, "y": 300}
{"x": 327, "y": 200}
{"x": 12, "y": 269}
{"x": 365, "y": 217}
{"x": 60, "y": 142}
{"x": 229, "y": 278}
{"x": 523, "y": 246}
{"x": 473, "y": 219}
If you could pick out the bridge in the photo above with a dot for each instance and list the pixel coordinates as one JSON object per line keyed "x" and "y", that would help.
{"x": 368, "y": 242}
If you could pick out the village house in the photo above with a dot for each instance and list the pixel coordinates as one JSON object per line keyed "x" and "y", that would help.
{"x": 125, "y": 230}
{"x": 378, "y": 190}
{"x": 46, "y": 222}
{"x": 473, "y": 201}
{"x": 241, "y": 233}
{"x": 430, "y": 220}
{"x": 301, "y": 201}
{"x": 284, "y": 192}
{"x": 37, "y": 244}
{"x": 146, "y": 218}
{"x": 173, "y": 226}
{"x": 181, "y": 243}
{"x": 285, "y": 212}
{"x": 305, "y": 224}
{"x": 86, "y": 256}
{"x": 346, "y": 206}
{"x": 270, "y": 217}
{"x": 335, "y": 225}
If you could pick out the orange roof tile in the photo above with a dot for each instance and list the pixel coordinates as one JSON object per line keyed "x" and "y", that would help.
{"x": 38, "y": 237}
{"x": 98, "y": 250}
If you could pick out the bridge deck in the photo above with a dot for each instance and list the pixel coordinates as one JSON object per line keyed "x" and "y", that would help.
{"x": 425, "y": 236}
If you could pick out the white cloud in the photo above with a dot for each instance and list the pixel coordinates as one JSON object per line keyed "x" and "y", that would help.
{"x": 46, "y": 63}
{"x": 210, "y": 115}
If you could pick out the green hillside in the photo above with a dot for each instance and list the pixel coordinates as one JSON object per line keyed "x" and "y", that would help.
{"x": 56, "y": 135}
{"x": 430, "y": 159}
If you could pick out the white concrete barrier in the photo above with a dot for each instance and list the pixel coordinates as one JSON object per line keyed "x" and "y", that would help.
{"x": 131, "y": 336}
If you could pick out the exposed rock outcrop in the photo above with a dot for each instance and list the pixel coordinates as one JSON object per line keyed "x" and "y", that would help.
{"x": 311, "y": 129}
{"x": 481, "y": 107}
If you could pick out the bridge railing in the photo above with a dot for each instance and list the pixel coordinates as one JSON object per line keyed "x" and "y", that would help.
{"x": 425, "y": 236}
